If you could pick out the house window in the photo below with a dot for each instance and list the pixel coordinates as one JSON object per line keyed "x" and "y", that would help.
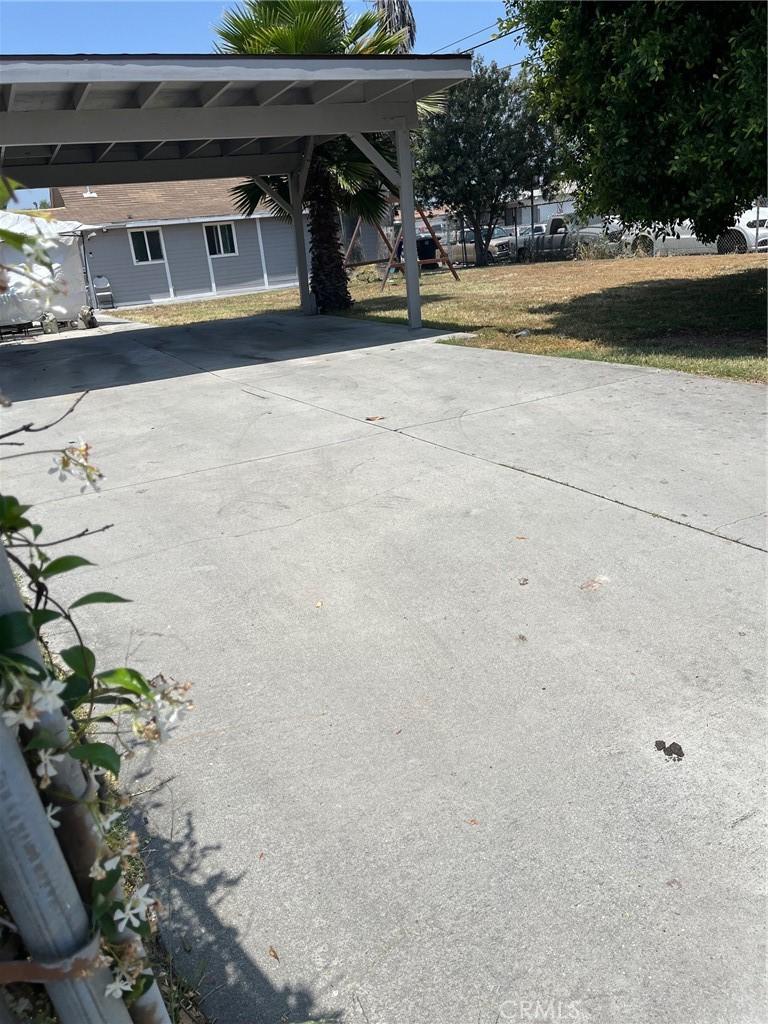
{"x": 220, "y": 239}
{"x": 147, "y": 246}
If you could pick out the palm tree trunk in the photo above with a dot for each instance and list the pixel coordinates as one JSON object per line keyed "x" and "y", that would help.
{"x": 328, "y": 278}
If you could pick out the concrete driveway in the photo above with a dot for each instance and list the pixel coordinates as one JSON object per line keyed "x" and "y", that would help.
{"x": 438, "y": 604}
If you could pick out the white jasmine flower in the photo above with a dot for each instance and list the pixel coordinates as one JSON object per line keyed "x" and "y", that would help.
{"x": 97, "y": 871}
{"x": 112, "y": 863}
{"x": 121, "y": 983}
{"x": 50, "y": 813}
{"x": 129, "y": 916}
{"x": 46, "y": 769}
{"x": 46, "y": 696}
{"x": 25, "y": 715}
{"x": 139, "y": 903}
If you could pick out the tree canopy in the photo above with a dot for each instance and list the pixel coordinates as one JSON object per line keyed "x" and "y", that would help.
{"x": 474, "y": 155}
{"x": 658, "y": 106}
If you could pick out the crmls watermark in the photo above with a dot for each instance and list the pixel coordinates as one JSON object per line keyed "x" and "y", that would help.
{"x": 518, "y": 1009}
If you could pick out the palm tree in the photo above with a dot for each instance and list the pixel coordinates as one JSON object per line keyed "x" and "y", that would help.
{"x": 397, "y": 16}
{"x": 339, "y": 177}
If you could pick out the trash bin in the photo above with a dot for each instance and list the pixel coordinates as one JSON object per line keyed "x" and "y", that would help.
{"x": 426, "y": 249}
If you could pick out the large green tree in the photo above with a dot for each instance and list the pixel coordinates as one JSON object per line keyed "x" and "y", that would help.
{"x": 339, "y": 178}
{"x": 659, "y": 106}
{"x": 475, "y": 155}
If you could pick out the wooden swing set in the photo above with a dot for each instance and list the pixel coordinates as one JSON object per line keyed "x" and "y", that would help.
{"x": 393, "y": 261}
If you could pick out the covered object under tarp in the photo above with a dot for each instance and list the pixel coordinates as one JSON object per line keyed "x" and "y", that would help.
{"x": 26, "y": 298}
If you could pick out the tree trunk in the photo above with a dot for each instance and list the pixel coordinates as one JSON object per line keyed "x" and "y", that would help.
{"x": 481, "y": 253}
{"x": 328, "y": 278}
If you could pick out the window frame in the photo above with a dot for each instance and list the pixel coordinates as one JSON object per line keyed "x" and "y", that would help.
{"x": 143, "y": 231}
{"x": 218, "y": 225}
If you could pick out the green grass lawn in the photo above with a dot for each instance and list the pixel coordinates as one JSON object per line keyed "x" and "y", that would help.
{"x": 700, "y": 314}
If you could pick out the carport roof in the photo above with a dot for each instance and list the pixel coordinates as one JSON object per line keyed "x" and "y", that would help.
{"x": 115, "y": 118}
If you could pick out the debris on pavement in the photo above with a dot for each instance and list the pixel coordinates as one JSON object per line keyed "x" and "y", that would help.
{"x": 672, "y": 750}
{"x": 595, "y": 583}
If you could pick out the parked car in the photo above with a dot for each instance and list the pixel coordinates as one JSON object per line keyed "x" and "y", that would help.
{"x": 563, "y": 237}
{"x": 523, "y": 232}
{"x": 749, "y": 233}
{"x": 460, "y": 245}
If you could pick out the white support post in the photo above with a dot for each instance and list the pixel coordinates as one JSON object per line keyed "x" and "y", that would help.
{"x": 308, "y": 304}
{"x": 408, "y": 217}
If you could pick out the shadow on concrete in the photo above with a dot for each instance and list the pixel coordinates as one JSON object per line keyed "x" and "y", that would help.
{"x": 134, "y": 354}
{"x": 209, "y": 954}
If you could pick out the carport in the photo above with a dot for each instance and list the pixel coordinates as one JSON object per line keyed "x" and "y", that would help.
{"x": 112, "y": 119}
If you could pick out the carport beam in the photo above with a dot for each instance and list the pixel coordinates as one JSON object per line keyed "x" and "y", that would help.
{"x": 408, "y": 218}
{"x": 308, "y": 304}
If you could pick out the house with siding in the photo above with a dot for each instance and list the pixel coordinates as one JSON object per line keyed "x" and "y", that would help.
{"x": 161, "y": 241}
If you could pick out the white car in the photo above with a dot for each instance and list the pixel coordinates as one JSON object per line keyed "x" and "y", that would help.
{"x": 748, "y": 234}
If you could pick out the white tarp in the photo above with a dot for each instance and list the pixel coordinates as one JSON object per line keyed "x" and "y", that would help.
{"x": 28, "y": 296}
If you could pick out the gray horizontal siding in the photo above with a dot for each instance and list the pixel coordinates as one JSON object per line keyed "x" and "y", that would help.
{"x": 238, "y": 273}
{"x": 109, "y": 255}
{"x": 280, "y": 251}
{"x": 187, "y": 259}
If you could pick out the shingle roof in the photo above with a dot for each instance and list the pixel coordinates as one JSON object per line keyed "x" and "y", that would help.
{"x": 151, "y": 201}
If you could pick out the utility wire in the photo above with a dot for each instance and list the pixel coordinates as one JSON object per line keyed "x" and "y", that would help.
{"x": 477, "y": 33}
{"x": 494, "y": 39}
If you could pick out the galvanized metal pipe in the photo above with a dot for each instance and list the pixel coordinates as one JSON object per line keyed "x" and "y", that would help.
{"x": 82, "y": 850}
{"x": 39, "y": 892}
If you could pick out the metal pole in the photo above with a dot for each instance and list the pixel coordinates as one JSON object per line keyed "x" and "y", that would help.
{"x": 81, "y": 849}
{"x": 533, "y": 228}
{"x": 757, "y": 225}
{"x": 408, "y": 217}
{"x": 42, "y": 897}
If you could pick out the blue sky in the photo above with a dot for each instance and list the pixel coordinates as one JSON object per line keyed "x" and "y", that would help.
{"x": 188, "y": 26}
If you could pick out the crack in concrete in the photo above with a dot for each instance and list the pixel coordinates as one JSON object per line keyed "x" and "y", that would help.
{"x": 528, "y": 401}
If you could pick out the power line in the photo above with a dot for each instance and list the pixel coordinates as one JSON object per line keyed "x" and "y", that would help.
{"x": 477, "y": 33}
{"x": 494, "y": 39}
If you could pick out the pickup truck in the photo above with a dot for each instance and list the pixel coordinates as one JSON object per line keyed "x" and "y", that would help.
{"x": 562, "y": 238}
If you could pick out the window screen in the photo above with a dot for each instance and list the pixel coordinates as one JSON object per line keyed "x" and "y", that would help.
{"x": 147, "y": 247}
{"x": 220, "y": 239}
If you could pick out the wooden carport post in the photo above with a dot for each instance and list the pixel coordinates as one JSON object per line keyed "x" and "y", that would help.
{"x": 297, "y": 181}
{"x": 408, "y": 219}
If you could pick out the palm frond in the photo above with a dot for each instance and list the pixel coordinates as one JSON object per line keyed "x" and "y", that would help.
{"x": 396, "y": 16}
{"x": 247, "y": 196}
{"x": 283, "y": 26}
{"x": 367, "y": 35}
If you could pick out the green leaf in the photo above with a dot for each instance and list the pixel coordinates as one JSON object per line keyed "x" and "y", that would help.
{"x": 80, "y": 659}
{"x": 43, "y": 740}
{"x": 42, "y": 616}
{"x": 15, "y": 630}
{"x": 76, "y": 690}
{"x": 99, "y": 597}
{"x": 12, "y": 513}
{"x": 26, "y": 665}
{"x": 14, "y": 239}
{"x": 126, "y": 679}
{"x": 101, "y": 755}
{"x": 64, "y": 564}
{"x": 102, "y": 889}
